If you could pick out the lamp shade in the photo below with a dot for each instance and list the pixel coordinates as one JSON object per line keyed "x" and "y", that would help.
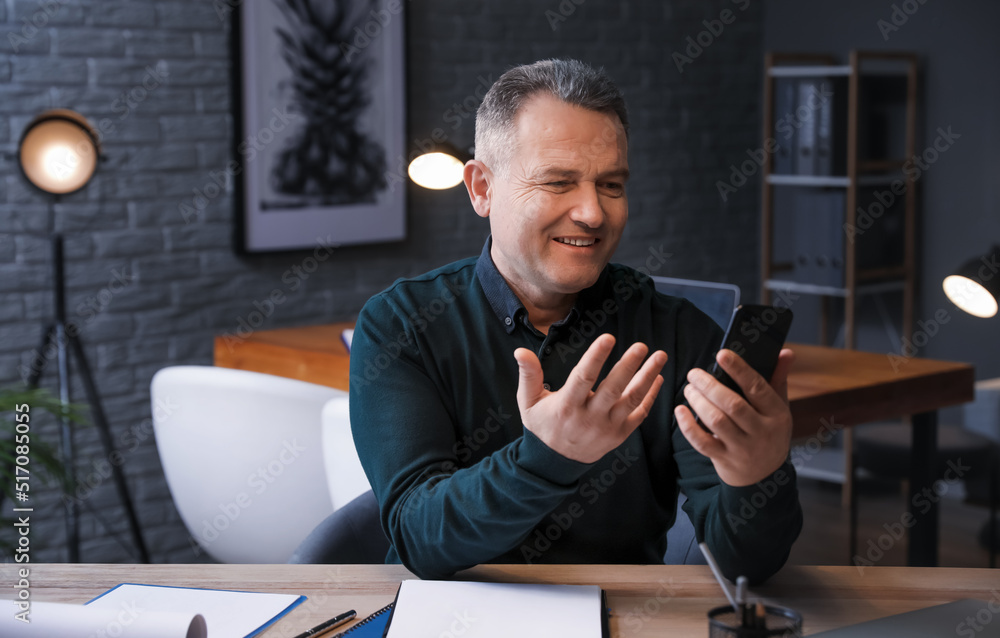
{"x": 58, "y": 152}
{"x": 439, "y": 168}
{"x": 975, "y": 286}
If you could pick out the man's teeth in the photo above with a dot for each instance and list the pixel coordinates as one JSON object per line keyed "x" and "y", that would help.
{"x": 575, "y": 242}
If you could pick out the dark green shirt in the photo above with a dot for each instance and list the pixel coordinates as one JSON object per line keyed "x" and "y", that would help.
{"x": 460, "y": 481}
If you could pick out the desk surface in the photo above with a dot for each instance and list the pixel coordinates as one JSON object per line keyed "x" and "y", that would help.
{"x": 644, "y": 600}
{"x": 826, "y": 385}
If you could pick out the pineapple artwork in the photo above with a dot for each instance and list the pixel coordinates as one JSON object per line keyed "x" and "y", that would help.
{"x": 329, "y": 158}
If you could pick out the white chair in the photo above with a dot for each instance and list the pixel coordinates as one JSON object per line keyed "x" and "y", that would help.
{"x": 242, "y": 455}
{"x": 345, "y": 477}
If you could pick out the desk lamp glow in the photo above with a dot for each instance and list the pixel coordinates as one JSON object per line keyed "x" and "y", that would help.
{"x": 975, "y": 286}
{"x": 58, "y": 154}
{"x": 440, "y": 168}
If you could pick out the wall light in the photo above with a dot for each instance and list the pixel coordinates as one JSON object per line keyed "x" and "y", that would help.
{"x": 975, "y": 286}
{"x": 440, "y": 167}
{"x": 58, "y": 152}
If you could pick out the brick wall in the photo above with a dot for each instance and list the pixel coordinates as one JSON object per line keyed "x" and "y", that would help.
{"x": 150, "y": 290}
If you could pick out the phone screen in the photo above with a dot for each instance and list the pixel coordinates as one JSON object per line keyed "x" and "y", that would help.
{"x": 756, "y": 333}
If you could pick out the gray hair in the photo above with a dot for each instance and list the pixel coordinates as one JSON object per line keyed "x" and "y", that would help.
{"x": 571, "y": 81}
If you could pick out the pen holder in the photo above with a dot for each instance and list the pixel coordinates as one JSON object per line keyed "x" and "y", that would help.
{"x": 724, "y": 622}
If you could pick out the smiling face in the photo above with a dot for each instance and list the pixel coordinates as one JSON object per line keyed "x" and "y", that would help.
{"x": 558, "y": 216}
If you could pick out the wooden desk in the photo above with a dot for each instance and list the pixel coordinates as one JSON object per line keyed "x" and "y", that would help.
{"x": 828, "y": 389}
{"x": 644, "y": 600}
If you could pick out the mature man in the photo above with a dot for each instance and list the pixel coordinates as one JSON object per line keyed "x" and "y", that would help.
{"x": 504, "y": 407}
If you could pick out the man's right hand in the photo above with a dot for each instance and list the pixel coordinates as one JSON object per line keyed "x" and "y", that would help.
{"x": 584, "y": 424}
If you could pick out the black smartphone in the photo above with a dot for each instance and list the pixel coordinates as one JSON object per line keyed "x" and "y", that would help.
{"x": 756, "y": 333}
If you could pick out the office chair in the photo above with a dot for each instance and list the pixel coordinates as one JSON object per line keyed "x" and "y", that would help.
{"x": 717, "y": 300}
{"x": 242, "y": 455}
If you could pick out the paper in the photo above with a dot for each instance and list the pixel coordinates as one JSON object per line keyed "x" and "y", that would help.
{"x": 151, "y": 611}
{"x": 58, "y": 620}
{"x": 495, "y": 610}
{"x": 228, "y": 614}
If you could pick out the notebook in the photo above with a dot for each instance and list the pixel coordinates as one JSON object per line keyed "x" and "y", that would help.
{"x": 966, "y": 617}
{"x": 371, "y": 627}
{"x": 155, "y": 611}
{"x": 497, "y": 610}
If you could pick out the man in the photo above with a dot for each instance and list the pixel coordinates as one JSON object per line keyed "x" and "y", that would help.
{"x": 504, "y": 407}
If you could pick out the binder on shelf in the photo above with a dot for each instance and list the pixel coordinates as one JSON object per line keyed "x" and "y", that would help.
{"x": 806, "y": 116}
{"x": 784, "y": 128}
{"x": 831, "y": 127}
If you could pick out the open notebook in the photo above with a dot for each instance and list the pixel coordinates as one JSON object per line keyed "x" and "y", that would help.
{"x": 152, "y": 611}
{"x": 497, "y": 610}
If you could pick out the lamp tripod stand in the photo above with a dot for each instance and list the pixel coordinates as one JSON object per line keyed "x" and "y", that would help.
{"x": 63, "y": 337}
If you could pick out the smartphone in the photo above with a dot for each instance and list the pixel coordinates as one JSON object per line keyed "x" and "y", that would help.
{"x": 756, "y": 333}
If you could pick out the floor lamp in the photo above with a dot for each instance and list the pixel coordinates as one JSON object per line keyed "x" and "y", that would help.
{"x": 58, "y": 154}
{"x": 975, "y": 288}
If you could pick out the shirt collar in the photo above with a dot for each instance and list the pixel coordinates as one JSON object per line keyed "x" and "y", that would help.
{"x": 504, "y": 302}
{"x": 509, "y": 309}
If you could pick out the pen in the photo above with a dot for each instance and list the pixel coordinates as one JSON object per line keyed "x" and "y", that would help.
{"x": 718, "y": 574}
{"x": 323, "y": 627}
{"x": 741, "y": 600}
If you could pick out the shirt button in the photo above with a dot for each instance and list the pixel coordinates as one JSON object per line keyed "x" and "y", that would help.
{"x": 546, "y": 386}
{"x": 508, "y": 320}
{"x": 548, "y": 350}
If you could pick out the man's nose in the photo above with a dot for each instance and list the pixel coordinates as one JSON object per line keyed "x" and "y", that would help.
{"x": 587, "y": 210}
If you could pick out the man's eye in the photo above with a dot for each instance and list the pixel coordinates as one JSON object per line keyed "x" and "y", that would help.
{"x": 615, "y": 187}
{"x": 559, "y": 184}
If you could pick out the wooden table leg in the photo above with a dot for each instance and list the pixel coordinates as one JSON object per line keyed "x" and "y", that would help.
{"x": 923, "y": 500}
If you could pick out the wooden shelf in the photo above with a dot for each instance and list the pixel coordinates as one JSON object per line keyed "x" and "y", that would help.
{"x": 829, "y": 181}
{"x": 833, "y": 291}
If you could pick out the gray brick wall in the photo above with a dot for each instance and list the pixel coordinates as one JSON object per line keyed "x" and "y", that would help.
{"x": 183, "y": 284}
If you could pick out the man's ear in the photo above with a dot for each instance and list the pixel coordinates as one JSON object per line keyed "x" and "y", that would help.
{"x": 478, "y": 181}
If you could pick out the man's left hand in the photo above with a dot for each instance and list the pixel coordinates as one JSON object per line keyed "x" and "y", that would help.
{"x": 752, "y": 436}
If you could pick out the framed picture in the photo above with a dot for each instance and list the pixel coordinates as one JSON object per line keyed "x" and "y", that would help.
{"x": 320, "y": 120}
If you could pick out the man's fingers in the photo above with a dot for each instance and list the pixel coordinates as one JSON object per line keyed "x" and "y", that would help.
{"x": 620, "y": 377}
{"x": 584, "y": 375}
{"x": 635, "y": 392}
{"x": 780, "y": 379}
{"x": 703, "y": 442}
{"x": 758, "y": 392}
{"x": 713, "y": 415}
{"x": 529, "y": 378}
{"x": 641, "y": 411}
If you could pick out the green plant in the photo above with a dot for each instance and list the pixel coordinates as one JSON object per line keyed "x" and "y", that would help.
{"x": 23, "y": 454}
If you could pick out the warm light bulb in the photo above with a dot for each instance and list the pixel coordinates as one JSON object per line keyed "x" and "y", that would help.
{"x": 436, "y": 171}
{"x": 60, "y": 162}
{"x": 970, "y": 296}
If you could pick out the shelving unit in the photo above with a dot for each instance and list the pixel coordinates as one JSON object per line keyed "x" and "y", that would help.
{"x": 861, "y": 174}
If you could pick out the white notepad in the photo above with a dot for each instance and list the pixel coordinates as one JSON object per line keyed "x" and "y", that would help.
{"x": 496, "y": 610}
{"x": 228, "y": 614}
{"x": 150, "y": 611}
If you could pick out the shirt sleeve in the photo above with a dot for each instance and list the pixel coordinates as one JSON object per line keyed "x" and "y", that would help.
{"x": 439, "y": 517}
{"x": 749, "y": 529}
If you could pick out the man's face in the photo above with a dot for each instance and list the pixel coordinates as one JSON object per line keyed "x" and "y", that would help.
{"x": 558, "y": 217}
